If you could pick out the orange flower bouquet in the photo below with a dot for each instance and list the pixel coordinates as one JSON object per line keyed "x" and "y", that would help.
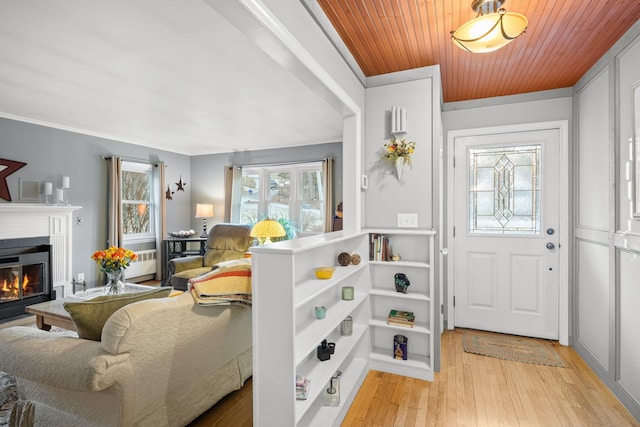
{"x": 113, "y": 261}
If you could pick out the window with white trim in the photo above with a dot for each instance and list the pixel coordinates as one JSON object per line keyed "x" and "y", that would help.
{"x": 294, "y": 192}
{"x": 138, "y": 202}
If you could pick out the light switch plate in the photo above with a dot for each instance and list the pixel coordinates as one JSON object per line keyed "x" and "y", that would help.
{"x": 407, "y": 220}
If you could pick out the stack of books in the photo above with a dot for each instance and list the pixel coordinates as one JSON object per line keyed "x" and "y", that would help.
{"x": 401, "y": 318}
{"x": 379, "y": 247}
{"x": 302, "y": 387}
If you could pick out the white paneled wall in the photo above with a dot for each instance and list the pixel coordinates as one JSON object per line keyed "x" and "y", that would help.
{"x": 607, "y": 235}
{"x": 592, "y": 287}
{"x": 627, "y": 236}
{"x": 629, "y": 75}
{"x": 592, "y": 284}
{"x": 593, "y": 299}
{"x": 629, "y": 321}
{"x": 593, "y": 153}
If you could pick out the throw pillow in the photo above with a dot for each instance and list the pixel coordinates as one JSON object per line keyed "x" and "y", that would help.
{"x": 90, "y": 316}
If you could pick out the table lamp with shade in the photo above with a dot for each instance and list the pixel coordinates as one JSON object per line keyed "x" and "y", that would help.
{"x": 204, "y": 211}
{"x": 266, "y": 229}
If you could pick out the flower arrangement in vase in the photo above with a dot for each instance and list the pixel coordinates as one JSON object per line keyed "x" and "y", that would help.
{"x": 114, "y": 261}
{"x": 398, "y": 152}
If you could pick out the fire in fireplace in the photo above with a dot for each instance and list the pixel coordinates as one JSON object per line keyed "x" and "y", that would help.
{"x": 21, "y": 281}
{"x": 25, "y": 274}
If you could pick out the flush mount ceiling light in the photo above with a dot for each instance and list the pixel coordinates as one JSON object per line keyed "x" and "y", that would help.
{"x": 492, "y": 29}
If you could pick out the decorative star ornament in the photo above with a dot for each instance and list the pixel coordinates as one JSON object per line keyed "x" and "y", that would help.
{"x": 169, "y": 193}
{"x": 7, "y": 167}
{"x": 180, "y": 184}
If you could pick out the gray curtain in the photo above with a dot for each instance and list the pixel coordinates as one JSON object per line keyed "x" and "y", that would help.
{"x": 114, "y": 233}
{"x": 327, "y": 172}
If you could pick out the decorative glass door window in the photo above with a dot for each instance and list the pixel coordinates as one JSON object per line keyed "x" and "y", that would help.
{"x": 504, "y": 190}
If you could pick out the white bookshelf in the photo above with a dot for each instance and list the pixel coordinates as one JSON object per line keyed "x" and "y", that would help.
{"x": 286, "y": 333}
{"x": 416, "y": 248}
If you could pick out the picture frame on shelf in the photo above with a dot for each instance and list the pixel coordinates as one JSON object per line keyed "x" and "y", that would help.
{"x": 29, "y": 189}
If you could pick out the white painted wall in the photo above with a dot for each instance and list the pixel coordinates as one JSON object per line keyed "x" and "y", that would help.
{"x": 627, "y": 234}
{"x": 592, "y": 151}
{"x": 592, "y": 329}
{"x": 593, "y": 145}
{"x": 629, "y": 66}
{"x": 536, "y": 107}
{"x": 607, "y": 237}
{"x": 387, "y": 196}
{"x": 629, "y": 321}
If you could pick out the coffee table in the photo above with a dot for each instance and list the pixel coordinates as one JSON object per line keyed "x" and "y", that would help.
{"x": 52, "y": 313}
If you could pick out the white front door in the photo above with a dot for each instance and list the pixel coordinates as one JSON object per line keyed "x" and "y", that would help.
{"x": 506, "y": 233}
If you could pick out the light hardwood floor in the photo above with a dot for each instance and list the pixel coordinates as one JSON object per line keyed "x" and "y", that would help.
{"x": 469, "y": 390}
{"x": 474, "y": 390}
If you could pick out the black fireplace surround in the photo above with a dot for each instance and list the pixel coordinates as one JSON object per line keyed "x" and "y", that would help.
{"x": 25, "y": 274}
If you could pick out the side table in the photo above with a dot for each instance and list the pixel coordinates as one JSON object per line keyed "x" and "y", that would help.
{"x": 177, "y": 247}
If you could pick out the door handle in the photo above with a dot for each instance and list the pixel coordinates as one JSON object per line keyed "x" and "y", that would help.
{"x": 551, "y": 246}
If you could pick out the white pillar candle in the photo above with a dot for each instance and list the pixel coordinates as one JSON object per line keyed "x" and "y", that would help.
{"x": 59, "y": 194}
{"x": 48, "y": 188}
{"x": 65, "y": 182}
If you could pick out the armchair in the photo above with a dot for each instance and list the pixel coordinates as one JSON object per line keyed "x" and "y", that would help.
{"x": 224, "y": 242}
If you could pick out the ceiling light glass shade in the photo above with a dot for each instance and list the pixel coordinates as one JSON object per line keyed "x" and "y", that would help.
{"x": 266, "y": 229}
{"x": 487, "y": 33}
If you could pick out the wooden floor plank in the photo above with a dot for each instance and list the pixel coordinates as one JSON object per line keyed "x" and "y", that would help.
{"x": 470, "y": 390}
{"x": 474, "y": 390}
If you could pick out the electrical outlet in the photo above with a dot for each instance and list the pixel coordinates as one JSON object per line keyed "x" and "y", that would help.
{"x": 408, "y": 220}
{"x": 80, "y": 277}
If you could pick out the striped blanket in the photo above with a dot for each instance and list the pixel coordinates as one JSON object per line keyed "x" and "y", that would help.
{"x": 228, "y": 284}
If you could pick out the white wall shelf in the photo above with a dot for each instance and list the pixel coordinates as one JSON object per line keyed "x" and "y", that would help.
{"x": 400, "y": 264}
{"x": 417, "y": 250}
{"x": 307, "y": 339}
{"x": 418, "y": 328}
{"x": 394, "y": 294}
{"x": 319, "y": 373}
{"x": 417, "y": 366}
{"x": 310, "y": 289}
{"x": 287, "y": 333}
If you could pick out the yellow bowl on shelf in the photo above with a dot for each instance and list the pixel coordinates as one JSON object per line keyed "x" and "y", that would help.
{"x": 324, "y": 272}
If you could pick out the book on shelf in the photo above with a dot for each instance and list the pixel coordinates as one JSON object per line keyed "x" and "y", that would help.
{"x": 400, "y": 347}
{"x": 302, "y": 387}
{"x": 401, "y": 318}
{"x": 379, "y": 247}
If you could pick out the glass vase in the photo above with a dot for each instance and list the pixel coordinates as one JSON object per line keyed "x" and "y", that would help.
{"x": 115, "y": 285}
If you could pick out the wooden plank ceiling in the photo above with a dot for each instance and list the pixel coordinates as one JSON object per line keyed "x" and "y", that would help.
{"x": 563, "y": 40}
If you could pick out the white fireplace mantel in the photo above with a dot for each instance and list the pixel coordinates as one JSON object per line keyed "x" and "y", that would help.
{"x": 19, "y": 220}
